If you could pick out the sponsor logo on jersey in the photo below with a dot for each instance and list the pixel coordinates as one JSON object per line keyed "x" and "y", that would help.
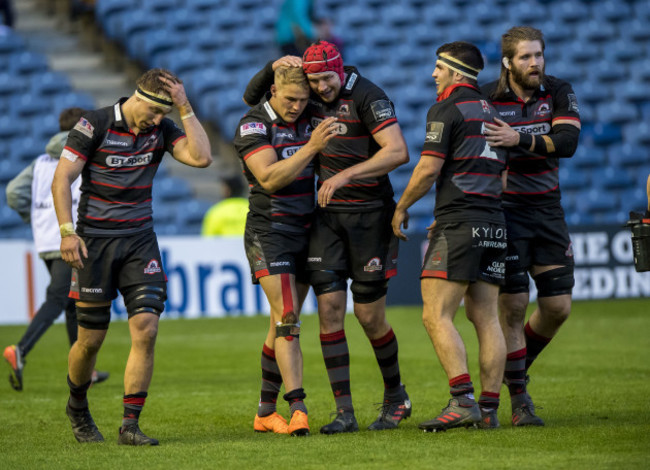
{"x": 84, "y": 127}
{"x": 535, "y": 129}
{"x": 344, "y": 110}
{"x": 341, "y": 129}
{"x": 314, "y": 259}
{"x": 485, "y": 106}
{"x": 280, "y": 263}
{"x": 284, "y": 135}
{"x": 543, "y": 110}
{"x": 289, "y": 151}
{"x": 152, "y": 267}
{"x": 92, "y": 290}
{"x": 507, "y": 113}
{"x": 373, "y": 265}
{"x": 117, "y": 161}
{"x": 252, "y": 128}
{"x": 436, "y": 259}
{"x": 351, "y": 81}
{"x": 119, "y": 143}
{"x": 382, "y": 110}
{"x": 573, "y": 103}
{"x": 434, "y": 132}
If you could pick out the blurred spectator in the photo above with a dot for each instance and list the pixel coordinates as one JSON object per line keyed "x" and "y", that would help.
{"x": 295, "y": 28}
{"x": 228, "y": 216}
{"x": 7, "y": 12}
{"x": 29, "y": 194}
{"x": 325, "y": 32}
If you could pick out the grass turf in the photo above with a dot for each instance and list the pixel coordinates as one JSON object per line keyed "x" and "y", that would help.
{"x": 591, "y": 387}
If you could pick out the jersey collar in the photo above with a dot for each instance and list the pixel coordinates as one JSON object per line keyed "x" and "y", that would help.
{"x": 450, "y": 89}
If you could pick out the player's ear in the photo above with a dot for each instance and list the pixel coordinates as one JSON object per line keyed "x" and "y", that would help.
{"x": 506, "y": 62}
{"x": 273, "y": 89}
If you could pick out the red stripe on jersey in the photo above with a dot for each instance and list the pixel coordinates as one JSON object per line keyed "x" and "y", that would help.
{"x": 382, "y": 125}
{"x": 125, "y": 134}
{"x": 390, "y": 273}
{"x": 130, "y": 168}
{"x": 532, "y": 193}
{"x": 439, "y": 274}
{"x": 118, "y": 220}
{"x": 128, "y": 154}
{"x": 431, "y": 153}
{"x": 496, "y": 196}
{"x": 283, "y": 196}
{"x": 475, "y": 157}
{"x": 357, "y": 185}
{"x": 489, "y": 175}
{"x": 534, "y": 174}
{"x": 340, "y": 155}
{"x": 253, "y": 152}
{"x": 80, "y": 155}
{"x": 570, "y": 118}
{"x": 261, "y": 273}
{"x": 119, "y": 187}
{"x": 347, "y": 200}
{"x": 291, "y": 144}
{"x": 118, "y": 202}
{"x": 181, "y": 137}
{"x": 73, "y": 295}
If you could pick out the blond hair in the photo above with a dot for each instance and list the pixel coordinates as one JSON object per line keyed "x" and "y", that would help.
{"x": 290, "y": 75}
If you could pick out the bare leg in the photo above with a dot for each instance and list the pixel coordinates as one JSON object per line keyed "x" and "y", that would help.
{"x": 139, "y": 366}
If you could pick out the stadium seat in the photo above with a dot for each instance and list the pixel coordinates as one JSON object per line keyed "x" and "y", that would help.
{"x": 72, "y": 99}
{"x": 637, "y": 133}
{"x": 580, "y": 52}
{"x": 438, "y": 14}
{"x": 612, "y": 178}
{"x": 27, "y": 148}
{"x": 172, "y": 189}
{"x": 573, "y": 179}
{"x": 634, "y": 91}
{"x": 8, "y": 170}
{"x": 587, "y": 156}
{"x": 595, "y": 31}
{"x": 183, "y": 61}
{"x": 10, "y": 84}
{"x": 526, "y": 13}
{"x": 635, "y": 30}
{"x": 634, "y": 199}
{"x": 596, "y": 201}
{"x": 28, "y": 104}
{"x": 628, "y": 154}
{"x": 9, "y": 220}
{"x": 356, "y": 16}
{"x": 190, "y": 216}
{"x": 26, "y": 63}
{"x": 50, "y": 83}
{"x": 11, "y": 43}
{"x": 617, "y": 112}
{"x": 605, "y": 133}
{"x": 568, "y": 12}
{"x": 185, "y": 19}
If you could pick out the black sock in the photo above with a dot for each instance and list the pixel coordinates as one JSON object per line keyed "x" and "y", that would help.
{"x": 133, "y": 404}
{"x": 271, "y": 383}
{"x": 78, "y": 395}
{"x": 535, "y": 343}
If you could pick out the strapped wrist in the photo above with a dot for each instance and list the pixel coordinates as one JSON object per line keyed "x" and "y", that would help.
{"x": 67, "y": 229}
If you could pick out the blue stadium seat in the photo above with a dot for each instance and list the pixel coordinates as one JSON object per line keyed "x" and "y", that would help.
{"x": 611, "y": 11}
{"x": 568, "y": 12}
{"x": 587, "y": 156}
{"x": 26, "y": 63}
{"x": 641, "y": 10}
{"x": 8, "y": 170}
{"x": 612, "y": 178}
{"x": 106, "y": 10}
{"x": 207, "y": 39}
{"x": 486, "y": 13}
{"x": 595, "y": 201}
{"x": 634, "y": 199}
{"x": 580, "y": 52}
{"x": 526, "y": 13}
{"x": 567, "y": 70}
{"x": 9, "y": 221}
{"x": 27, "y": 148}
{"x": 190, "y": 216}
{"x": 604, "y": 71}
{"x": 634, "y": 91}
{"x": 29, "y": 104}
{"x": 605, "y": 133}
{"x": 573, "y": 179}
{"x": 160, "y": 5}
{"x": 11, "y": 43}
{"x": 204, "y": 6}
{"x": 641, "y": 70}
{"x": 145, "y": 46}
{"x": 637, "y": 133}
{"x": 382, "y": 37}
{"x": 556, "y": 34}
{"x": 356, "y": 16}
{"x": 183, "y": 61}
{"x": 361, "y": 55}
{"x": 10, "y": 84}
{"x": 50, "y": 83}
{"x": 628, "y": 154}
{"x": 635, "y": 30}
{"x": 617, "y": 112}
{"x": 576, "y": 218}
{"x": 172, "y": 189}
{"x": 200, "y": 82}
{"x": 185, "y": 19}
{"x": 596, "y": 31}
{"x": 438, "y": 14}
{"x": 46, "y": 126}
{"x": 72, "y": 99}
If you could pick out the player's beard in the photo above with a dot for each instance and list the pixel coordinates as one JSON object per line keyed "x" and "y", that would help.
{"x": 525, "y": 81}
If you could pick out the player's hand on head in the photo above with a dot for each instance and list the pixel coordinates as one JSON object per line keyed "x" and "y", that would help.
{"x": 287, "y": 61}
{"x": 175, "y": 89}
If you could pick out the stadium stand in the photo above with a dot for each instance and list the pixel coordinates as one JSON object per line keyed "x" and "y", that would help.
{"x": 601, "y": 46}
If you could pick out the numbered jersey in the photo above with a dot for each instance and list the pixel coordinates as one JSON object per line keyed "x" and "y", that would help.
{"x": 290, "y": 208}
{"x": 469, "y": 186}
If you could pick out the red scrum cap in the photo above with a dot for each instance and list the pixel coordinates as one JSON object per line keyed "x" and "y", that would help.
{"x": 323, "y": 56}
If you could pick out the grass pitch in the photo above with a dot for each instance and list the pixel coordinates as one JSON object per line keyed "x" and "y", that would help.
{"x": 591, "y": 386}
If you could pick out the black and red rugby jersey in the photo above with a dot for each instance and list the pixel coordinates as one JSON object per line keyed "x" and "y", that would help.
{"x": 290, "y": 208}
{"x": 533, "y": 179}
{"x": 119, "y": 170}
{"x": 469, "y": 186}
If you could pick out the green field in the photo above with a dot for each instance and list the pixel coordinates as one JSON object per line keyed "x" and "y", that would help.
{"x": 592, "y": 387}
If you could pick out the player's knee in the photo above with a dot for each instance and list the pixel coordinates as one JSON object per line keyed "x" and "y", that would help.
{"x": 95, "y": 317}
{"x": 558, "y": 281}
{"x": 366, "y": 292}
{"x": 515, "y": 283}
{"x": 288, "y": 331}
{"x": 148, "y": 298}
{"x": 325, "y": 281}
